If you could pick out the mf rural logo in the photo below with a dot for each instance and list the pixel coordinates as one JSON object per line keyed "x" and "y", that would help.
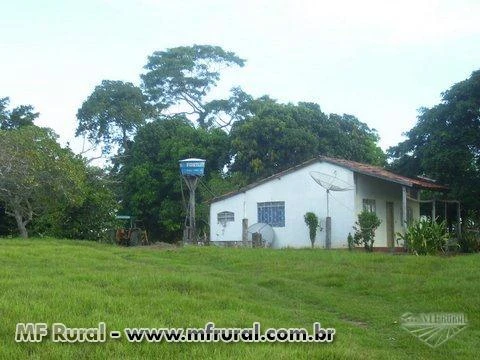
{"x": 433, "y": 329}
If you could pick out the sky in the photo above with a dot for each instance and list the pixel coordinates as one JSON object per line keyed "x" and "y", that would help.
{"x": 378, "y": 60}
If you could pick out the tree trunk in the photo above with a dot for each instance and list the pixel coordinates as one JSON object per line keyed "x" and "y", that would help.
{"x": 21, "y": 225}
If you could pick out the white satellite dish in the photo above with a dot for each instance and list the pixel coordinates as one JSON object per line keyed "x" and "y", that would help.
{"x": 268, "y": 235}
{"x": 330, "y": 183}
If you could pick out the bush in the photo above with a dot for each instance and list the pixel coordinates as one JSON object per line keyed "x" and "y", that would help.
{"x": 312, "y": 222}
{"x": 470, "y": 239}
{"x": 365, "y": 228}
{"x": 425, "y": 237}
{"x": 350, "y": 241}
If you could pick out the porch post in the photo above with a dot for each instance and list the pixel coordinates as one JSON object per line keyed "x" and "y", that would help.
{"x": 404, "y": 208}
{"x": 244, "y": 232}
{"x": 445, "y": 212}
{"x": 433, "y": 210}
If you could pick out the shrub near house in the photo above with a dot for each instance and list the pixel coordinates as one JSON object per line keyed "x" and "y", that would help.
{"x": 425, "y": 237}
{"x": 365, "y": 227}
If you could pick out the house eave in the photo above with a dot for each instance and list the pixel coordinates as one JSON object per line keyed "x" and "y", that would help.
{"x": 350, "y": 165}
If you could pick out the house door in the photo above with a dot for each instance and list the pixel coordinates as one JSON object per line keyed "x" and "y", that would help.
{"x": 389, "y": 225}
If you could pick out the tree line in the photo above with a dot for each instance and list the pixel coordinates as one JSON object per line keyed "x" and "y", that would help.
{"x": 145, "y": 130}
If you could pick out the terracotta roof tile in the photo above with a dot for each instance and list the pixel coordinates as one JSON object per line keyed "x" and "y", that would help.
{"x": 382, "y": 173}
{"x": 365, "y": 169}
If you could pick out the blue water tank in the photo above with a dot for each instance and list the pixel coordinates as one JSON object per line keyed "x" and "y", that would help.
{"x": 192, "y": 167}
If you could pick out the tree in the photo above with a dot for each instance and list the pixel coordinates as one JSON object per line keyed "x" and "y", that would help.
{"x": 35, "y": 172}
{"x": 279, "y": 136}
{"x": 152, "y": 186}
{"x": 354, "y": 140}
{"x": 22, "y": 115}
{"x": 91, "y": 218}
{"x": 182, "y": 77}
{"x": 112, "y": 113}
{"x": 445, "y": 143}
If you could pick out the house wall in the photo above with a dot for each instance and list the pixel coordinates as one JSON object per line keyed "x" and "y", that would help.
{"x": 301, "y": 194}
{"x": 382, "y": 191}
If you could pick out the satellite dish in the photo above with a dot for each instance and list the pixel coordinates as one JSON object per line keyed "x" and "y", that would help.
{"x": 329, "y": 183}
{"x": 268, "y": 235}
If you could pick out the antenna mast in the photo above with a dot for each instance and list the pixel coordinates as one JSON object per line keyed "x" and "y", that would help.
{"x": 329, "y": 183}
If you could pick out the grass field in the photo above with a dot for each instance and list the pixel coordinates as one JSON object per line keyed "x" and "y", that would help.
{"x": 361, "y": 295}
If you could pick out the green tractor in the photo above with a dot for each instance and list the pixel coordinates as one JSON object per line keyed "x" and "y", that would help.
{"x": 132, "y": 233}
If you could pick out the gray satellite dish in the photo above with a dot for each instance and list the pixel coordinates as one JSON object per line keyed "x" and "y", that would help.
{"x": 329, "y": 183}
{"x": 263, "y": 229}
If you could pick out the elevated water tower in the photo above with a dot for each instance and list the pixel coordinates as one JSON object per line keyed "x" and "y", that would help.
{"x": 191, "y": 170}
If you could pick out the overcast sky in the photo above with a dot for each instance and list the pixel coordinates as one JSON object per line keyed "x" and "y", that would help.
{"x": 377, "y": 60}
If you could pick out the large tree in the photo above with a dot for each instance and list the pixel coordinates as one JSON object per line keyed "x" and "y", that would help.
{"x": 151, "y": 178}
{"x": 35, "y": 172}
{"x": 279, "y": 136}
{"x": 112, "y": 114}
{"x": 445, "y": 142}
{"x": 179, "y": 80}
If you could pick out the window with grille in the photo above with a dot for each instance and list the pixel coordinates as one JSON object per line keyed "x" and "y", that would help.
{"x": 369, "y": 205}
{"x": 272, "y": 213}
{"x": 225, "y": 216}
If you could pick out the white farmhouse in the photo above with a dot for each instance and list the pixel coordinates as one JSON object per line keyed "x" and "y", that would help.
{"x": 282, "y": 200}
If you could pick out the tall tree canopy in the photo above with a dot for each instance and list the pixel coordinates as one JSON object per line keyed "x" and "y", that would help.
{"x": 445, "y": 142}
{"x": 112, "y": 113}
{"x": 150, "y": 175}
{"x": 279, "y": 136}
{"x": 22, "y": 115}
{"x": 179, "y": 79}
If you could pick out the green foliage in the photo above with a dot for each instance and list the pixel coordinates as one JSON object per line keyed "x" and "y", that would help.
{"x": 445, "y": 143}
{"x": 279, "y": 136}
{"x": 22, "y": 115}
{"x": 424, "y": 237}
{"x": 220, "y": 183}
{"x": 312, "y": 222}
{"x": 470, "y": 239}
{"x": 365, "y": 228}
{"x": 185, "y": 75}
{"x": 112, "y": 113}
{"x": 37, "y": 174}
{"x": 8, "y": 226}
{"x": 152, "y": 186}
{"x": 350, "y": 241}
{"x": 91, "y": 219}
{"x": 50, "y": 189}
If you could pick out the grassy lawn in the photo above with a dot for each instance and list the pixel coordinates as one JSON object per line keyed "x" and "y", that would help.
{"x": 361, "y": 295}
